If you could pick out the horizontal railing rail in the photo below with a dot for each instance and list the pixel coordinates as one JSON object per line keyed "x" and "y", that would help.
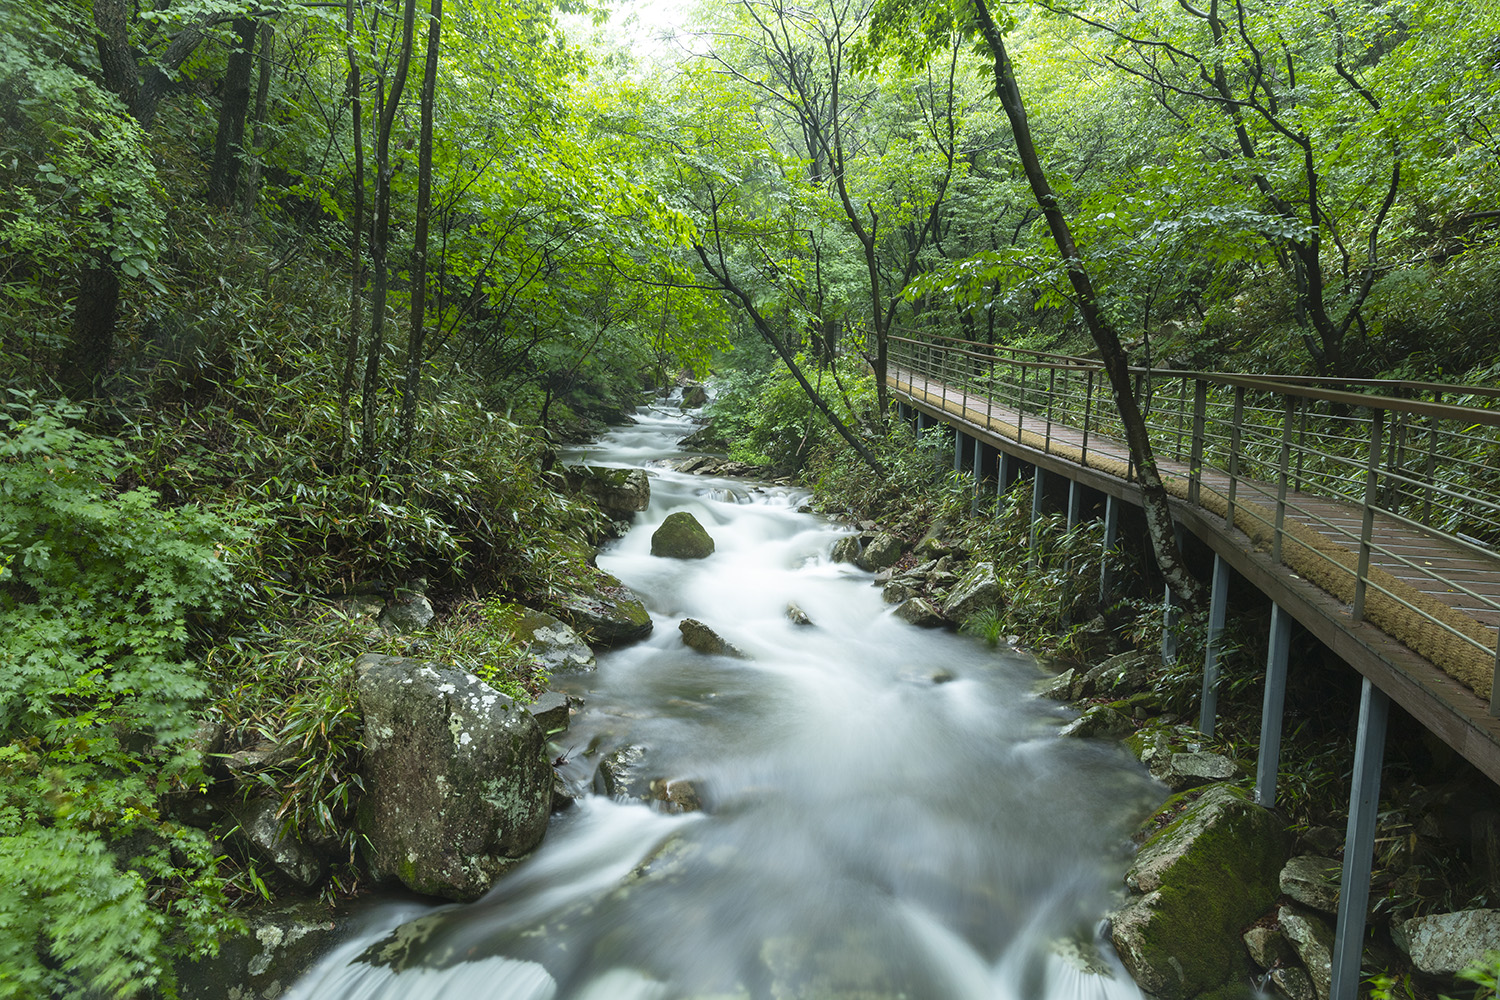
{"x": 1355, "y": 484}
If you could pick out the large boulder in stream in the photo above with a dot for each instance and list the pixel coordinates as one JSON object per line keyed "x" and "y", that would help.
{"x": 1209, "y": 871}
{"x": 548, "y": 639}
{"x": 458, "y": 786}
{"x": 608, "y": 614}
{"x": 681, "y": 537}
{"x": 618, "y": 492}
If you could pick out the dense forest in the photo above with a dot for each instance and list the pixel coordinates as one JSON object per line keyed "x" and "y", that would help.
{"x": 298, "y": 296}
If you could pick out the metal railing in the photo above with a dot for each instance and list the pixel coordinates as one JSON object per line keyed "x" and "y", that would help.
{"x": 1409, "y": 460}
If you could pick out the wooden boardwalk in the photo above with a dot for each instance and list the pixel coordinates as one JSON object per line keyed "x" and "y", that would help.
{"x": 1450, "y": 709}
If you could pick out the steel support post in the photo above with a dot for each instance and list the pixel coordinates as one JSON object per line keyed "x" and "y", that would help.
{"x": 1111, "y": 537}
{"x": 1359, "y": 842}
{"x": 1004, "y": 472}
{"x": 1271, "y": 707}
{"x": 959, "y": 437}
{"x": 1218, "y": 607}
{"x": 1075, "y": 503}
{"x": 1038, "y": 489}
{"x": 1169, "y": 612}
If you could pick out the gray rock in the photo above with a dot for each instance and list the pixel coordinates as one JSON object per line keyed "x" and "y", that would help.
{"x": 681, "y": 537}
{"x": 1294, "y": 982}
{"x": 458, "y": 787}
{"x": 918, "y": 612}
{"x": 796, "y": 615}
{"x": 699, "y": 636}
{"x": 1059, "y": 688}
{"x": 608, "y": 615}
{"x": 1181, "y": 771}
{"x": 977, "y": 590}
{"x": 1208, "y": 872}
{"x": 621, "y": 774}
{"x": 548, "y": 639}
{"x": 1099, "y": 722}
{"x": 244, "y": 764}
{"x": 1445, "y": 943}
{"x": 899, "y": 591}
{"x": 845, "y": 550}
{"x": 552, "y": 712}
{"x": 1121, "y": 675}
{"x": 676, "y": 795}
{"x": 407, "y": 612}
{"x": 1092, "y": 640}
{"x": 620, "y": 493}
{"x": 1268, "y": 947}
{"x": 1313, "y": 881}
{"x": 1312, "y": 939}
{"x": 883, "y": 550}
{"x": 279, "y": 947}
{"x": 694, "y": 397}
{"x": 359, "y": 605}
{"x": 262, "y": 832}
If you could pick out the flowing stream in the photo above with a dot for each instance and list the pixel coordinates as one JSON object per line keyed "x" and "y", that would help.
{"x": 888, "y": 811}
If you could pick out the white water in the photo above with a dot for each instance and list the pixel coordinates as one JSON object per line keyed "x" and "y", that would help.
{"x": 868, "y": 833}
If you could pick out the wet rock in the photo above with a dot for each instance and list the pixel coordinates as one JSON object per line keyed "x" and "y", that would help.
{"x": 458, "y": 787}
{"x": 548, "y": 639}
{"x": 934, "y": 544}
{"x": 977, "y": 590}
{"x": 1099, "y": 722}
{"x": 1059, "y": 688}
{"x": 918, "y": 612}
{"x": 899, "y": 592}
{"x": 1313, "y": 881}
{"x": 885, "y": 576}
{"x": 699, "y": 636}
{"x": 409, "y": 611}
{"x": 1181, "y": 771}
{"x": 796, "y": 615}
{"x": 1210, "y": 871}
{"x": 620, "y": 774}
{"x": 552, "y": 712}
{"x": 676, "y": 795}
{"x": 942, "y": 676}
{"x": 694, "y": 397}
{"x": 608, "y": 615}
{"x": 704, "y": 437}
{"x": 1445, "y": 943}
{"x": 261, "y": 831}
{"x": 1126, "y": 673}
{"x": 845, "y": 550}
{"x": 681, "y": 537}
{"x": 1312, "y": 939}
{"x": 279, "y": 947}
{"x": 1092, "y": 640}
{"x": 1268, "y": 947}
{"x": 883, "y": 550}
{"x": 1294, "y": 982}
{"x": 620, "y": 493}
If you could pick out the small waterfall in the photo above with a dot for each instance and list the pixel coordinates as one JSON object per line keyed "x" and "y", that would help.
{"x": 888, "y": 810}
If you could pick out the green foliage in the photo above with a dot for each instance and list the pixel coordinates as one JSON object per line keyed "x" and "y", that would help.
{"x": 97, "y": 590}
{"x": 767, "y": 418}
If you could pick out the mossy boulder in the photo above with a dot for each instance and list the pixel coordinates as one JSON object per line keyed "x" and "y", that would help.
{"x": 1202, "y": 877}
{"x": 682, "y": 537}
{"x": 881, "y": 551}
{"x": 698, "y": 636}
{"x": 607, "y": 614}
{"x": 619, "y": 493}
{"x": 978, "y": 590}
{"x": 548, "y": 639}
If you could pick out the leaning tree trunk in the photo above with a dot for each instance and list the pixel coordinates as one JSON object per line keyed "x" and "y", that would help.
{"x": 1159, "y": 523}
{"x": 229, "y": 142}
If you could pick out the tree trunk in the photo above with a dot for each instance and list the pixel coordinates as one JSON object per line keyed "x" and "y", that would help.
{"x": 417, "y": 338}
{"x": 258, "y": 130}
{"x": 1159, "y": 523}
{"x": 229, "y": 142}
{"x": 93, "y": 337}
{"x": 379, "y": 239}
{"x": 356, "y": 239}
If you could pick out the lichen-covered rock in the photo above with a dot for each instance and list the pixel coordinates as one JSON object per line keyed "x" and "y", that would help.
{"x": 918, "y": 612}
{"x": 700, "y": 637}
{"x": 1313, "y": 881}
{"x": 458, "y": 787}
{"x": 1120, "y": 675}
{"x": 1181, "y": 771}
{"x": 548, "y": 639}
{"x": 1312, "y": 939}
{"x": 899, "y": 591}
{"x": 1268, "y": 947}
{"x": 1058, "y": 688}
{"x": 883, "y": 550}
{"x": 552, "y": 711}
{"x": 681, "y": 537}
{"x": 1206, "y": 874}
{"x": 619, "y": 493}
{"x": 1294, "y": 982}
{"x": 977, "y": 590}
{"x": 845, "y": 550}
{"x": 408, "y": 611}
{"x": 1445, "y": 943}
{"x": 279, "y": 946}
{"x": 1099, "y": 722}
{"x": 621, "y": 774}
{"x": 607, "y": 615}
{"x": 260, "y": 828}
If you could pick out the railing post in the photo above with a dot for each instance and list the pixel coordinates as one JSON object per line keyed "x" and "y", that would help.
{"x": 1051, "y": 386}
{"x": 1195, "y": 463}
{"x": 1234, "y": 451}
{"x": 1038, "y": 490}
{"x": 1303, "y": 406}
{"x": 1432, "y": 447}
{"x": 1021, "y": 401}
{"x": 1367, "y": 528}
{"x": 1181, "y": 414}
{"x": 989, "y": 393}
{"x": 1283, "y": 473}
{"x": 1088, "y": 413}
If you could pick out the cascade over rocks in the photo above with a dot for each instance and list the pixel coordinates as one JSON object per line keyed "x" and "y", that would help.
{"x": 1202, "y": 877}
{"x": 681, "y": 537}
{"x": 845, "y": 550}
{"x": 610, "y": 614}
{"x": 458, "y": 787}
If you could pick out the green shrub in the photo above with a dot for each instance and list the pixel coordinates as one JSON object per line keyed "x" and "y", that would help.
{"x": 98, "y": 888}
